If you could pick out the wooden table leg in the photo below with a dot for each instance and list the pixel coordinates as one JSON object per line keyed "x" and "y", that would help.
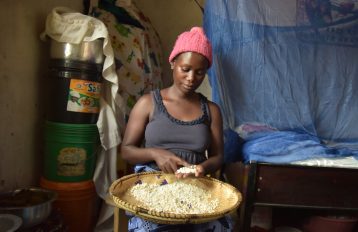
{"x": 116, "y": 219}
{"x": 248, "y": 194}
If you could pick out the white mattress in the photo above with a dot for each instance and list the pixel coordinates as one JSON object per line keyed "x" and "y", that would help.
{"x": 345, "y": 162}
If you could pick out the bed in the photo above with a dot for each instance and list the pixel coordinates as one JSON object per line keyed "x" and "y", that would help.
{"x": 271, "y": 172}
{"x": 288, "y": 68}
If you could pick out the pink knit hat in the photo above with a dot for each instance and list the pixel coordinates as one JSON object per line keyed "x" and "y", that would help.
{"x": 194, "y": 40}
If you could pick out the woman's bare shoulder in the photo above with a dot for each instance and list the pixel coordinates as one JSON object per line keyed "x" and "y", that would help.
{"x": 145, "y": 99}
{"x": 213, "y": 106}
{"x": 144, "y": 104}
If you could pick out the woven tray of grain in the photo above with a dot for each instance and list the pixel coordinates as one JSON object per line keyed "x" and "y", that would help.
{"x": 226, "y": 196}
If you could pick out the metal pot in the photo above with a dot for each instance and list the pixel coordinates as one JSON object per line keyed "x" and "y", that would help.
{"x": 33, "y": 205}
{"x": 87, "y": 51}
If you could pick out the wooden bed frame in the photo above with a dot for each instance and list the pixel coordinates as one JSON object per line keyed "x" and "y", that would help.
{"x": 296, "y": 186}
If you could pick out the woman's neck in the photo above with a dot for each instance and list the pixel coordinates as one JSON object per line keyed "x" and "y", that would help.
{"x": 175, "y": 94}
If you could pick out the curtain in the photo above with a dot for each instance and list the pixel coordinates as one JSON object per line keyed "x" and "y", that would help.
{"x": 286, "y": 65}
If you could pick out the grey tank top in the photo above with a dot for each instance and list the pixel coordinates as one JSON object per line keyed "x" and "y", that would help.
{"x": 187, "y": 139}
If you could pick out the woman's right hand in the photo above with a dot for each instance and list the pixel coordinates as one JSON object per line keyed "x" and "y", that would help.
{"x": 167, "y": 161}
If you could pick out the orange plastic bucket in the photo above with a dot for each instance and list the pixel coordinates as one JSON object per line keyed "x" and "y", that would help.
{"x": 76, "y": 202}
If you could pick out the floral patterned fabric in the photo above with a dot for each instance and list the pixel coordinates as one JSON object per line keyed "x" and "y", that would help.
{"x": 136, "y": 47}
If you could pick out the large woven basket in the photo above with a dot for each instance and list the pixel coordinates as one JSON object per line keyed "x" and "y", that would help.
{"x": 229, "y": 197}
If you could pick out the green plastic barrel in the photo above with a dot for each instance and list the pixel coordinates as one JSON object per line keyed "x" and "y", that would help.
{"x": 70, "y": 151}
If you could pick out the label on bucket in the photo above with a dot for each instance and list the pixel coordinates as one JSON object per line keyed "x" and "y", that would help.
{"x": 83, "y": 96}
{"x": 71, "y": 161}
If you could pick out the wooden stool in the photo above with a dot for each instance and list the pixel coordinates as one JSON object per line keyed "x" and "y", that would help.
{"x": 120, "y": 223}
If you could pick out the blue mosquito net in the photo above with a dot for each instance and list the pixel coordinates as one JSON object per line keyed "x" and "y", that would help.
{"x": 285, "y": 74}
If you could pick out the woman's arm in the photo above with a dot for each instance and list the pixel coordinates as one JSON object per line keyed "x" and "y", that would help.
{"x": 134, "y": 132}
{"x": 216, "y": 149}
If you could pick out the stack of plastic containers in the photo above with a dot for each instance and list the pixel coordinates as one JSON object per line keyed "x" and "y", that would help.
{"x": 71, "y": 135}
